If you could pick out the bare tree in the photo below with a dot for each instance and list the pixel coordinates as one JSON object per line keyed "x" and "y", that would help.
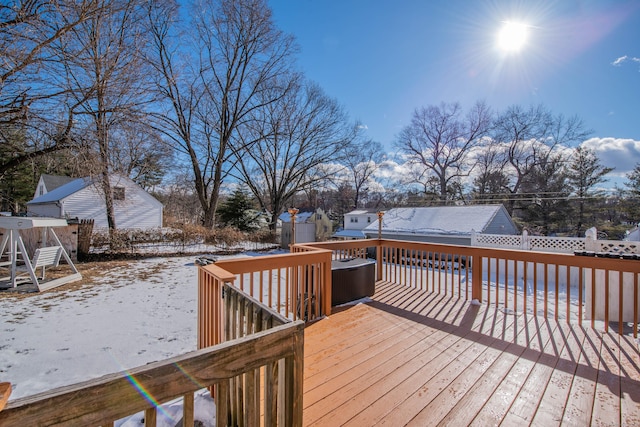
{"x": 440, "y": 138}
{"x": 31, "y": 32}
{"x": 286, "y": 147}
{"x": 527, "y": 138}
{"x": 239, "y": 57}
{"x": 362, "y": 158}
{"x": 105, "y": 75}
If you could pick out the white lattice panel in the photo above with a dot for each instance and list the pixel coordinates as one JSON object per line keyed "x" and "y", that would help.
{"x": 498, "y": 241}
{"x": 556, "y": 244}
{"x": 618, "y": 246}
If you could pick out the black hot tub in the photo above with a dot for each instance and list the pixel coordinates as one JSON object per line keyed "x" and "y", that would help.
{"x": 352, "y": 279}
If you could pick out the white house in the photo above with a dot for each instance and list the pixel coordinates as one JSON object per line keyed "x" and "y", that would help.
{"x": 355, "y": 222}
{"x": 443, "y": 224}
{"x": 83, "y": 198}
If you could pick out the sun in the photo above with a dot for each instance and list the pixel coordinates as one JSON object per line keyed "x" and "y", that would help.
{"x": 512, "y": 37}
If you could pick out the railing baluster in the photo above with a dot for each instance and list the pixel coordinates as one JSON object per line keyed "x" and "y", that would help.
{"x": 593, "y": 297}
{"x": 488, "y": 280}
{"x": 150, "y": 417}
{"x": 557, "y": 292}
{"x": 581, "y": 272}
{"x": 497, "y": 303}
{"x": 636, "y": 302}
{"x": 506, "y": 283}
{"x": 515, "y": 285}
{"x": 546, "y": 290}
{"x": 525, "y": 285}
{"x": 270, "y": 288}
{"x": 606, "y": 300}
{"x": 535, "y": 288}
{"x": 620, "y": 299}
{"x": 568, "y": 293}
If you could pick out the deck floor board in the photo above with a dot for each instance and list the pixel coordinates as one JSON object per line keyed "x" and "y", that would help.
{"x": 409, "y": 357}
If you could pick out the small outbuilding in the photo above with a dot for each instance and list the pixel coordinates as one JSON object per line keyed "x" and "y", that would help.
{"x": 443, "y": 224}
{"x": 83, "y": 198}
{"x": 311, "y": 226}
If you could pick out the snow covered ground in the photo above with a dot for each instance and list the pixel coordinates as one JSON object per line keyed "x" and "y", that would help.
{"x": 135, "y": 313}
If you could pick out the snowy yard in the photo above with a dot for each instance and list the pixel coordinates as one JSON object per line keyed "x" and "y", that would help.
{"x": 131, "y": 314}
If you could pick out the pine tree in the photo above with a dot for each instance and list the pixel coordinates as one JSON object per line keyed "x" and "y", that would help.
{"x": 584, "y": 173}
{"x": 239, "y": 211}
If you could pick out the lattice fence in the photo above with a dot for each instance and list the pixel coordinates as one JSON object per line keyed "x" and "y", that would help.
{"x": 555, "y": 244}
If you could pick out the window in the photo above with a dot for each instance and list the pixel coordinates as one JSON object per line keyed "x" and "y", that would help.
{"x": 118, "y": 193}
{"x": 41, "y": 191}
{"x": 368, "y": 219}
{"x": 351, "y": 219}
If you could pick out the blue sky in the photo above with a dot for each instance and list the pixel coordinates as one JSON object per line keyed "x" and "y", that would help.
{"x": 381, "y": 59}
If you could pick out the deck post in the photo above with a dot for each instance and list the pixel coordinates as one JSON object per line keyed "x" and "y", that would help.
{"x": 379, "y": 248}
{"x": 476, "y": 277}
{"x": 326, "y": 292}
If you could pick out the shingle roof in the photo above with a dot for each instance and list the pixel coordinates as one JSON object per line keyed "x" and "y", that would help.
{"x": 54, "y": 181}
{"x": 300, "y": 216}
{"x": 62, "y": 191}
{"x": 437, "y": 220}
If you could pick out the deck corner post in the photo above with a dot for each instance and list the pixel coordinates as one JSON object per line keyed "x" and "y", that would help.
{"x": 379, "y": 259}
{"x": 326, "y": 292}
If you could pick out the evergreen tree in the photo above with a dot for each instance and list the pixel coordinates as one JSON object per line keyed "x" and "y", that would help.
{"x": 584, "y": 173}
{"x": 545, "y": 204}
{"x": 239, "y": 211}
{"x": 632, "y": 194}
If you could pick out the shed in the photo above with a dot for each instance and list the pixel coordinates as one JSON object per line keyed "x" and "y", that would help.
{"x": 83, "y": 198}
{"x": 310, "y": 227}
{"x": 443, "y": 224}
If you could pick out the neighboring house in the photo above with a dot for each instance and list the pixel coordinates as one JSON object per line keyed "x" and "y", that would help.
{"x": 633, "y": 235}
{"x": 355, "y": 222}
{"x": 83, "y": 198}
{"x": 48, "y": 183}
{"x": 310, "y": 227}
{"x": 444, "y": 224}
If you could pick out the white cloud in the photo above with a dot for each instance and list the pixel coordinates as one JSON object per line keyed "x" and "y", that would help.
{"x": 618, "y": 62}
{"x": 621, "y": 60}
{"x": 618, "y": 153}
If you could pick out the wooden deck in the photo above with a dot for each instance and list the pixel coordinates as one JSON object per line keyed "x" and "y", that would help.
{"x": 413, "y": 358}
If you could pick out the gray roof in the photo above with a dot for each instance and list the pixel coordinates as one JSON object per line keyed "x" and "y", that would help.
{"x": 54, "y": 181}
{"x": 437, "y": 220}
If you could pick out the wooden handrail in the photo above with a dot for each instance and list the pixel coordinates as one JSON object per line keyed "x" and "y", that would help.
{"x": 103, "y": 400}
{"x": 5, "y": 392}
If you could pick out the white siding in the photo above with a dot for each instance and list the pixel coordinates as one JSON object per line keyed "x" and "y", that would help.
{"x": 51, "y": 210}
{"x": 138, "y": 209}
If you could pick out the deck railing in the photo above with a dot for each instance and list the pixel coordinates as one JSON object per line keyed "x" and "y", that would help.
{"x": 262, "y": 357}
{"x": 562, "y": 286}
{"x": 296, "y": 285}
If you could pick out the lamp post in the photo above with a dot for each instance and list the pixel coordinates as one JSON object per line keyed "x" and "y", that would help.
{"x": 380, "y": 215}
{"x": 293, "y": 212}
